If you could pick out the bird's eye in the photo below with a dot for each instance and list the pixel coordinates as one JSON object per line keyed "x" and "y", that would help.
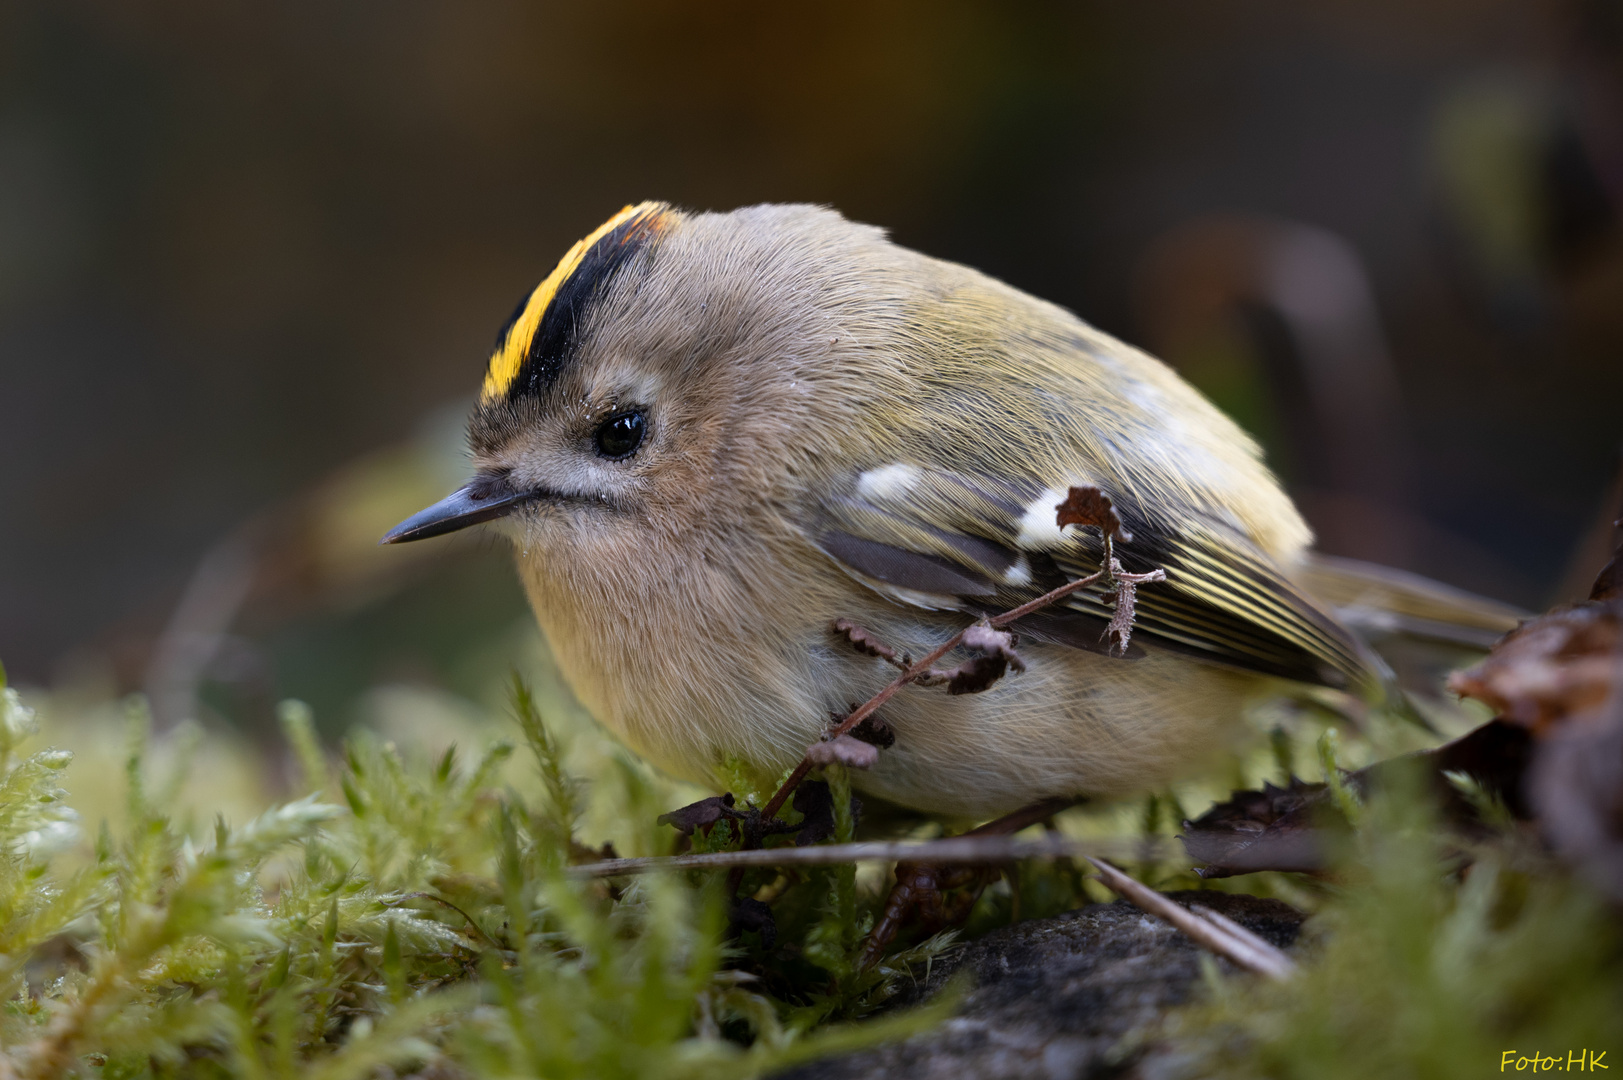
{"x": 620, "y": 435}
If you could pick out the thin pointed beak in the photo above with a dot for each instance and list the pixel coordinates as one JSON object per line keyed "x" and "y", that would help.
{"x": 483, "y": 499}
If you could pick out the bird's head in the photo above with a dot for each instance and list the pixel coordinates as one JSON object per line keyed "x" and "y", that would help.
{"x": 664, "y": 369}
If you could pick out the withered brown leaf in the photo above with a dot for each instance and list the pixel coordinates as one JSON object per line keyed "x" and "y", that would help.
{"x": 815, "y": 801}
{"x": 1549, "y": 667}
{"x": 973, "y": 675}
{"x": 997, "y": 655}
{"x": 1576, "y": 787}
{"x": 700, "y": 815}
{"x": 1272, "y": 829}
{"x": 872, "y": 730}
{"x": 1087, "y": 505}
{"x": 1294, "y": 828}
{"x": 863, "y": 641}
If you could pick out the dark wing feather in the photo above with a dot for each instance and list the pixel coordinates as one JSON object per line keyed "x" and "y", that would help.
{"x": 950, "y": 541}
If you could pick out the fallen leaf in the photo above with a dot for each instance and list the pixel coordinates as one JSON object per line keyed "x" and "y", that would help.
{"x": 1548, "y": 668}
{"x": 1272, "y": 829}
{"x": 1497, "y": 755}
{"x": 700, "y": 815}
{"x": 1294, "y": 828}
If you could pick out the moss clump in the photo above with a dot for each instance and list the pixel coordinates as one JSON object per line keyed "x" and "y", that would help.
{"x": 396, "y": 917}
{"x": 1430, "y": 957}
{"x": 415, "y": 915}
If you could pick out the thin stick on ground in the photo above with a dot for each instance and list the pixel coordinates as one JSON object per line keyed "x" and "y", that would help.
{"x": 947, "y": 851}
{"x": 1214, "y": 932}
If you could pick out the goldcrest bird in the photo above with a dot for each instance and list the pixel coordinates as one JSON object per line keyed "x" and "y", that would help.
{"x": 711, "y": 435}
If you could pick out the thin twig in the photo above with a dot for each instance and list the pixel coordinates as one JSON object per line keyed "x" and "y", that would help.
{"x": 1261, "y": 944}
{"x": 861, "y": 713}
{"x": 1000, "y": 621}
{"x": 918, "y": 671}
{"x": 953, "y": 849}
{"x": 1206, "y": 927}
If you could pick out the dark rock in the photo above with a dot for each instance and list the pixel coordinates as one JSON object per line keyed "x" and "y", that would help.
{"x": 1054, "y": 998}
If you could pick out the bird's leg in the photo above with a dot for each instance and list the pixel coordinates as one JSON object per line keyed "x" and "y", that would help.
{"x": 920, "y": 887}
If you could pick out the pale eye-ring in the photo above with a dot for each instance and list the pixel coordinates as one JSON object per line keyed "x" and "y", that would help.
{"x": 620, "y": 435}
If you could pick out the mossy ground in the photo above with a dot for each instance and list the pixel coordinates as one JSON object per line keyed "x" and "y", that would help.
{"x": 403, "y": 906}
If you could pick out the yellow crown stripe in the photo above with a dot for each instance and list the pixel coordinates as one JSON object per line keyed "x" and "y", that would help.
{"x": 508, "y": 358}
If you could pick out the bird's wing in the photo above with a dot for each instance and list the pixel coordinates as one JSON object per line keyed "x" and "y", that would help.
{"x": 953, "y": 541}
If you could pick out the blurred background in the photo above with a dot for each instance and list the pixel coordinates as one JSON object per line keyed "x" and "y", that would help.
{"x": 252, "y": 258}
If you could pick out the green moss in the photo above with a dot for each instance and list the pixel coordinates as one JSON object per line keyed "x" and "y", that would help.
{"x": 408, "y": 911}
{"x": 1423, "y": 964}
{"x": 398, "y": 915}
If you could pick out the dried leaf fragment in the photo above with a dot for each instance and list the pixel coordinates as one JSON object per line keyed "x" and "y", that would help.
{"x": 972, "y": 676}
{"x": 863, "y": 641}
{"x": 1087, "y": 505}
{"x": 981, "y": 636}
{"x": 872, "y": 730}
{"x": 1576, "y": 786}
{"x": 1271, "y": 829}
{"x": 1548, "y": 668}
{"x": 1293, "y": 828}
{"x": 1120, "y": 631}
{"x": 747, "y": 915}
{"x": 1557, "y": 682}
{"x": 843, "y": 750}
{"x": 815, "y": 801}
{"x": 997, "y": 655}
{"x": 700, "y": 815}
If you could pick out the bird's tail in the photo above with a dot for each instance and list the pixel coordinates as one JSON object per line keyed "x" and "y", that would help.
{"x": 1421, "y": 628}
{"x": 1380, "y": 602}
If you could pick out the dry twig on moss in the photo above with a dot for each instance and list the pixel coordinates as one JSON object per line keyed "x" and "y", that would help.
{"x": 966, "y": 850}
{"x": 1222, "y": 936}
